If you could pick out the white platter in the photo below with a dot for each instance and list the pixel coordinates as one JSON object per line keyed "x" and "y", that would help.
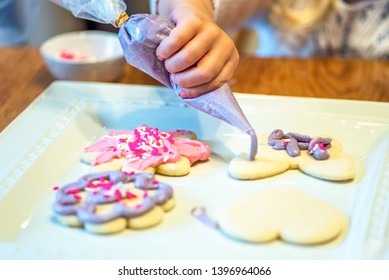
{"x": 41, "y": 149}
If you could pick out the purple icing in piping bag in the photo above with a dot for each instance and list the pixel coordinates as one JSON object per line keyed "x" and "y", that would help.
{"x": 140, "y": 37}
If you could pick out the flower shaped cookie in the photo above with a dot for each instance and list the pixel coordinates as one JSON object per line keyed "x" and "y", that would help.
{"x": 146, "y": 149}
{"x": 109, "y": 202}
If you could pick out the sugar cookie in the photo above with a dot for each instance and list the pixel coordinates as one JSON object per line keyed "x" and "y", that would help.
{"x": 320, "y": 157}
{"x": 282, "y": 213}
{"x": 146, "y": 149}
{"x": 109, "y": 202}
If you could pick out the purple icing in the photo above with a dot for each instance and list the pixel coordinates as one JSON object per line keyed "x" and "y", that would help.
{"x": 277, "y": 144}
{"x": 292, "y": 148}
{"x": 201, "y": 214}
{"x": 140, "y": 36}
{"x": 302, "y": 145}
{"x": 276, "y": 134}
{"x": 67, "y": 203}
{"x": 293, "y": 143}
{"x": 321, "y": 154}
{"x": 298, "y": 137}
{"x": 318, "y": 148}
{"x": 326, "y": 142}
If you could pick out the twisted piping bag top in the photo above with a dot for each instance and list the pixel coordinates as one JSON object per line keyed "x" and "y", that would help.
{"x": 141, "y": 35}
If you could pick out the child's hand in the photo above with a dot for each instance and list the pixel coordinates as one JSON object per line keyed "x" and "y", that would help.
{"x": 199, "y": 55}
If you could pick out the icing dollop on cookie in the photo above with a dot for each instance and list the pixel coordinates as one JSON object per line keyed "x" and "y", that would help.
{"x": 293, "y": 143}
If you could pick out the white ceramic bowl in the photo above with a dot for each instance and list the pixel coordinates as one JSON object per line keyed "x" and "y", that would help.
{"x": 84, "y": 56}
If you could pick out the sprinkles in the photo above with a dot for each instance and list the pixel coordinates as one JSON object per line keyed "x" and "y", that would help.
{"x": 73, "y": 191}
{"x": 67, "y": 55}
{"x": 118, "y": 195}
{"x": 130, "y": 195}
{"x": 140, "y": 144}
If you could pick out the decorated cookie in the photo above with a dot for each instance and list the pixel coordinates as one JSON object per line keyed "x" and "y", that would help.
{"x": 320, "y": 157}
{"x": 146, "y": 149}
{"x": 279, "y": 213}
{"x": 110, "y": 202}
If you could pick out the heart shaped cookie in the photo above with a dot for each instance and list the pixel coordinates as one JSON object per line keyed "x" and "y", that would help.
{"x": 331, "y": 164}
{"x": 282, "y": 213}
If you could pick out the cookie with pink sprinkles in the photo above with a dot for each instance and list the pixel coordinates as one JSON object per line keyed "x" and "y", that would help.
{"x": 146, "y": 149}
{"x": 110, "y": 202}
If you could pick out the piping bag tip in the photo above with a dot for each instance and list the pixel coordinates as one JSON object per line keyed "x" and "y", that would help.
{"x": 222, "y": 104}
{"x": 254, "y": 144}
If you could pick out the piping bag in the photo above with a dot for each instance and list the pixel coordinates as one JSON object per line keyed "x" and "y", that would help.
{"x": 140, "y": 35}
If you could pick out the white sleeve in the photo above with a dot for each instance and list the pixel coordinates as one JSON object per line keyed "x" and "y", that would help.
{"x": 228, "y": 13}
{"x": 233, "y": 13}
{"x": 153, "y": 6}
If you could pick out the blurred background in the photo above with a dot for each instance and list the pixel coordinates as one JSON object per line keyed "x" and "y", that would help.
{"x": 31, "y": 22}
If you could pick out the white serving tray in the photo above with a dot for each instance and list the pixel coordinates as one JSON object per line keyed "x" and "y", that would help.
{"x": 41, "y": 149}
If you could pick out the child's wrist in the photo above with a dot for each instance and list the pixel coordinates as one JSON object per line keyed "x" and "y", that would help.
{"x": 164, "y": 7}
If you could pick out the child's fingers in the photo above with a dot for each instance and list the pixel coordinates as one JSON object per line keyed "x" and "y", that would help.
{"x": 224, "y": 76}
{"x": 178, "y": 37}
{"x": 190, "y": 54}
{"x": 208, "y": 68}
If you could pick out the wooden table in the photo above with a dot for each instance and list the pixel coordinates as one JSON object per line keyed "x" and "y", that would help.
{"x": 23, "y": 76}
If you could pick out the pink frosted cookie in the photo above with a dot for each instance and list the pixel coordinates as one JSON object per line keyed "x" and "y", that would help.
{"x": 146, "y": 149}
{"x": 110, "y": 202}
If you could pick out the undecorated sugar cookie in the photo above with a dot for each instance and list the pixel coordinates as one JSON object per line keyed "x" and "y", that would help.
{"x": 282, "y": 213}
{"x": 110, "y": 202}
{"x": 146, "y": 149}
{"x": 321, "y": 157}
